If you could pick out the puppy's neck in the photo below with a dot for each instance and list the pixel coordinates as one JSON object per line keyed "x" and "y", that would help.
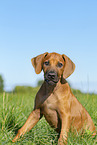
{"x": 63, "y": 81}
{"x": 49, "y": 88}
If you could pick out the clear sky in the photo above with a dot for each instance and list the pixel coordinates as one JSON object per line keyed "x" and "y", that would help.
{"x": 29, "y": 28}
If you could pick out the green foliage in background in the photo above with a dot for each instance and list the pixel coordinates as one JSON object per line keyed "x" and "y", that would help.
{"x": 25, "y": 90}
{"x": 1, "y": 84}
{"x": 39, "y": 83}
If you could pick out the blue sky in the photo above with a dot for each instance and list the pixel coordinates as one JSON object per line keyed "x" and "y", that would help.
{"x": 29, "y": 28}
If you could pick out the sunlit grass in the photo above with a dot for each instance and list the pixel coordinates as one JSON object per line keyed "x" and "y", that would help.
{"x": 15, "y": 108}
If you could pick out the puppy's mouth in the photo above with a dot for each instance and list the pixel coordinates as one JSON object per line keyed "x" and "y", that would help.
{"x": 51, "y": 77}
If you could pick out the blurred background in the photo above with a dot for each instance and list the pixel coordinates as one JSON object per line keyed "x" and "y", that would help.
{"x": 29, "y": 28}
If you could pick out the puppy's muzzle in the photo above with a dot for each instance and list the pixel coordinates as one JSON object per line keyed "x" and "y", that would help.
{"x": 51, "y": 77}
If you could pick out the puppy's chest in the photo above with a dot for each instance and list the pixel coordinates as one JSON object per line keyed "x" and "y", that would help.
{"x": 51, "y": 102}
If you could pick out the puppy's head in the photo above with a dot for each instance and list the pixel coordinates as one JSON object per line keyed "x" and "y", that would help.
{"x": 54, "y": 66}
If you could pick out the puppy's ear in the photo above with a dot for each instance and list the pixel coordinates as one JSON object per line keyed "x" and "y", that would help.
{"x": 69, "y": 67}
{"x": 37, "y": 62}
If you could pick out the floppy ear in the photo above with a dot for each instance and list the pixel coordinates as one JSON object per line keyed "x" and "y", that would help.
{"x": 37, "y": 62}
{"x": 69, "y": 67}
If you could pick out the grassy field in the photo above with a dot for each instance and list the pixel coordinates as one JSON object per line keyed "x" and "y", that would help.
{"x": 15, "y": 108}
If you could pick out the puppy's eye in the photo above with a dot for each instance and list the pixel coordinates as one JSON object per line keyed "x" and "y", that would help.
{"x": 46, "y": 63}
{"x": 59, "y": 64}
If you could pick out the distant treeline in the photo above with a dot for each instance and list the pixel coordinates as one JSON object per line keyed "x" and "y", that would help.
{"x": 25, "y": 89}
{"x": 29, "y": 89}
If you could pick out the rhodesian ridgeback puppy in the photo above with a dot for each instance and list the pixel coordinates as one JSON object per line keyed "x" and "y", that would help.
{"x": 55, "y": 100}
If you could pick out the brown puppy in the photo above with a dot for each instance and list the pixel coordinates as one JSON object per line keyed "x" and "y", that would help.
{"x": 55, "y": 100}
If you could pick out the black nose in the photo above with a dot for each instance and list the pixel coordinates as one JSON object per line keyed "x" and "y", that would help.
{"x": 51, "y": 75}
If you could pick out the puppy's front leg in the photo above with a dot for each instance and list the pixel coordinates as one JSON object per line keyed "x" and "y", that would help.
{"x": 64, "y": 130}
{"x": 29, "y": 124}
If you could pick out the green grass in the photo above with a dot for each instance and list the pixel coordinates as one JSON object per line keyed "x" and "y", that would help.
{"x": 15, "y": 108}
